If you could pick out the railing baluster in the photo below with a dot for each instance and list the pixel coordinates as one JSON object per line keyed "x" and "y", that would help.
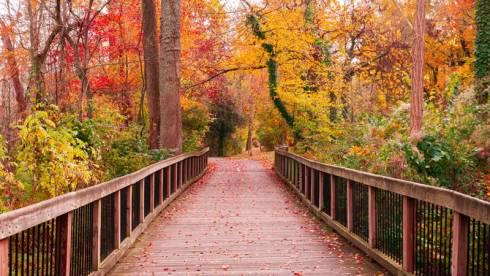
{"x": 460, "y": 229}
{"x": 96, "y": 227}
{"x": 372, "y": 217}
{"x": 408, "y": 234}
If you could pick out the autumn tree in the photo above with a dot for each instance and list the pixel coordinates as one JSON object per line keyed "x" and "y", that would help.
{"x": 417, "y": 99}
{"x": 170, "y": 111}
{"x": 150, "y": 46}
{"x": 39, "y": 48}
{"x": 482, "y": 65}
{"x": 13, "y": 68}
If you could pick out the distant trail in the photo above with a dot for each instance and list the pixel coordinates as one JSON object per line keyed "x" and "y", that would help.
{"x": 240, "y": 220}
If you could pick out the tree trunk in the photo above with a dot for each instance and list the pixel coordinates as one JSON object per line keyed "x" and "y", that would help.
{"x": 482, "y": 64}
{"x": 13, "y": 70}
{"x": 170, "y": 116}
{"x": 150, "y": 48}
{"x": 417, "y": 99}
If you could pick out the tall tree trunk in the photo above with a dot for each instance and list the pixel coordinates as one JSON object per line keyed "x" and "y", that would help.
{"x": 13, "y": 70}
{"x": 482, "y": 64}
{"x": 150, "y": 48}
{"x": 417, "y": 100}
{"x": 170, "y": 116}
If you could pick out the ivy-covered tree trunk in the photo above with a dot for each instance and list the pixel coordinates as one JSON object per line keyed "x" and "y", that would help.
{"x": 482, "y": 64}
{"x": 254, "y": 24}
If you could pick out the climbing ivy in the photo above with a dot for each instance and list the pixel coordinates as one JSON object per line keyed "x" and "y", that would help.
{"x": 254, "y": 24}
{"x": 482, "y": 65}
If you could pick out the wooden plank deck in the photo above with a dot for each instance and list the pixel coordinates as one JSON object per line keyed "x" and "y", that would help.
{"x": 240, "y": 220}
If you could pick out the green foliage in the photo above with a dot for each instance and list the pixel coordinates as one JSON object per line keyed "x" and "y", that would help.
{"x": 270, "y": 129}
{"x": 51, "y": 160}
{"x": 10, "y": 188}
{"x": 435, "y": 158}
{"x": 226, "y": 120}
{"x": 129, "y": 152}
{"x": 195, "y": 121}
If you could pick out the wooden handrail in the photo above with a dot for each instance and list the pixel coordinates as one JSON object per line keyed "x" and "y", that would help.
{"x": 44, "y": 230}
{"x": 406, "y": 227}
{"x": 464, "y": 204}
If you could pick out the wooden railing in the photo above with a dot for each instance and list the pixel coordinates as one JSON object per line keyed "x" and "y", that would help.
{"x": 408, "y": 228}
{"x": 87, "y": 231}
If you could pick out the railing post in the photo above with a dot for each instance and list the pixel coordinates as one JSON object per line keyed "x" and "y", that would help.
{"x": 4, "y": 257}
{"x": 152, "y": 192}
{"x": 307, "y": 182}
{"x": 372, "y": 217}
{"x": 312, "y": 186}
{"x": 175, "y": 177}
{"x": 65, "y": 223}
{"x": 129, "y": 211}
{"x": 300, "y": 184}
{"x": 332, "y": 197}
{"x": 180, "y": 173}
{"x": 96, "y": 234}
{"x": 169, "y": 188}
{"x": 408, "y": 233}
{"x": 160, "y": 191}
{"x": 459, "y": 262}
{"x": 320, "y": 190}
{"x": 117, "y": 219}
{"x": 142, "y": 200}
{"x": 350, "y": 209}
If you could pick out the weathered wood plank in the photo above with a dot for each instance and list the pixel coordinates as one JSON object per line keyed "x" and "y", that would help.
{"x": 372, "y": 217}
{"x": 253, "y": 226}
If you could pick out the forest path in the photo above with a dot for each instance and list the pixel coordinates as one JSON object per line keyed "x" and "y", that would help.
{"x": 240, "y": 220}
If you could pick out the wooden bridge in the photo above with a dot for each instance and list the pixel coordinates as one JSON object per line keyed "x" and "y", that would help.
{"x": 185, "y": 215}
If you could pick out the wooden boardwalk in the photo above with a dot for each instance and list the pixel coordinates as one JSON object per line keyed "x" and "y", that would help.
{"x": 240, "y": 220}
